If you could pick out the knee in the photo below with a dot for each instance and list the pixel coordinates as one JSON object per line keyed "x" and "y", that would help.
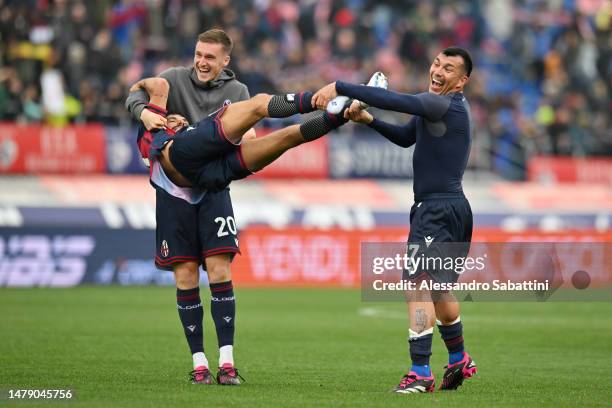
{"x": 447, "y": 320}
{"x": 186, "y": 275}
{"x": 447, "y": 309}
{"x": 218, "y": 269}
{"x": 262, "y": 97}
{"x": 262, "y": 100}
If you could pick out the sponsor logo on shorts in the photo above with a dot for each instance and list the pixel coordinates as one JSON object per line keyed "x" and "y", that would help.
{"x": 227, "y": 102}
{"x": 290, "y": 97}
{"x": 165, "y": 251}
{"x": 191, "y": 328}
{"x": 227, "y": 319}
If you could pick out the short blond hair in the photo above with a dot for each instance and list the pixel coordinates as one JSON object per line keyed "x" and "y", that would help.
{"x": 217, "y": 36}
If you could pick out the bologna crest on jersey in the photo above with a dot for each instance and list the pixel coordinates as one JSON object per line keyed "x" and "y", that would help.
{"x": 165, "y": 251}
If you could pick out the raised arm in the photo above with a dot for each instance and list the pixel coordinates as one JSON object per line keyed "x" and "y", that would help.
{"x": 136, "y": 102}
{"x": 430, "y": 106}
{"x": 157, "y": 90}
{"x": 404, "y": 136}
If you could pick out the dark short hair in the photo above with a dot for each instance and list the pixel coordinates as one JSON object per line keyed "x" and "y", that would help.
{"x": 463, "y": 53}
{"x": 217, "y": 36}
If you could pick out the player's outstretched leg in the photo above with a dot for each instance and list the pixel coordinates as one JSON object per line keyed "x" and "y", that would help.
{"x": 419, "y": 379}
{"x": 239, "y": 117}
{"x": 258, "y": 153}
{"x": 254, "y": 154}
{"x": 460, "y": 364}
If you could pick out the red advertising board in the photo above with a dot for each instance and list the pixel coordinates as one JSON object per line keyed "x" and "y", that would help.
{"x": 570, "y": 169}
{"x": 331, "y": 258}
{"x": 43, "y": 149}
{"x": 306, "y": 161}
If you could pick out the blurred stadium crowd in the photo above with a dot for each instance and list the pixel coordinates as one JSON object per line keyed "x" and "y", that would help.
{"x": 541, "y": 85}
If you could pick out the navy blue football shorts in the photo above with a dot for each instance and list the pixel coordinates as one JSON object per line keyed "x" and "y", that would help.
{"x": 206, "y": 157}
{"x": 192, "y": 232}
{"x": 440, "y": 235}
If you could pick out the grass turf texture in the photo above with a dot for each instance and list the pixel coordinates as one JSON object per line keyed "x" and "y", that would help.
{"x": 120, "y": 346}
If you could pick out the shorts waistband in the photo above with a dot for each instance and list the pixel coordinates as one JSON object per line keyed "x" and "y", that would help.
{"x": 439, "y": 196}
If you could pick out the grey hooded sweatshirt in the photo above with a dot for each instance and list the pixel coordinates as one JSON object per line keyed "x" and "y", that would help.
{"x": 191, "y": 97}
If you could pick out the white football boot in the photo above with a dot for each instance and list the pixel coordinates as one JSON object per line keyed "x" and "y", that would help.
{"x": 377, "y": 80}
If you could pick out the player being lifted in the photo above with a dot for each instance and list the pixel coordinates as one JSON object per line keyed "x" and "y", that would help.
{"x": 210, "y": 154}
{"x": 187, "y": 160}
{"x": 441, "y": 132}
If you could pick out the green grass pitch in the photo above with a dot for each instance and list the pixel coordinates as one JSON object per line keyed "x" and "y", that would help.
{"x": 296, "y": 347}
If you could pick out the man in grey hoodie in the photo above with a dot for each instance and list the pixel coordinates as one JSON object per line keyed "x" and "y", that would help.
{"x": 195, "y": 93}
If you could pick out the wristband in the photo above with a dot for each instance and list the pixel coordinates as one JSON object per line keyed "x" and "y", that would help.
{"x": 157, "y": 109}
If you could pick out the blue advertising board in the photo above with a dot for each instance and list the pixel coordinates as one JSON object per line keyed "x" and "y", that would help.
{"x": 66, "y": 257}
{"x": 122, "y": 155}
{"x": 368, "y": 155}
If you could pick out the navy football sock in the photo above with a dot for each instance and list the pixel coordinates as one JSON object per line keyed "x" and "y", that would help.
{"x": 282, "y": 106}
{"x": 453, "y": 338}
{"x": 420, "y": 351}
{"x": 223, "y": 310}
{"x": 191, "y": 313}
{"x": 321, "y": 124}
